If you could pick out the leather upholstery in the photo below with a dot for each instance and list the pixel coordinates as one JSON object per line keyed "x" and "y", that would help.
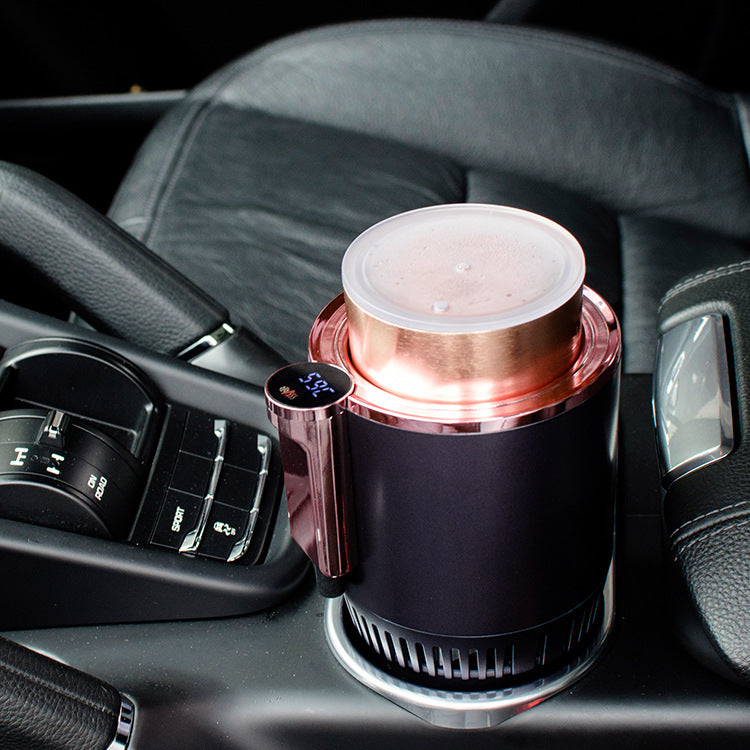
{"x": 46, "y": 704}
{"x": 254, "y": 186}
{"x": 707, "y": 512}
{"x": 108, "y": 277}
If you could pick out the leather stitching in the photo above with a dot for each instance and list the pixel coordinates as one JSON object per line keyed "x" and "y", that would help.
{"x": 153, "y": 196}
{"x": 177, "y": 166}
{"x": 716, "y": 273}
{"x": 705, "y": 537}
{"x": 703, "y": 516}
{"x": 60, "y": 691}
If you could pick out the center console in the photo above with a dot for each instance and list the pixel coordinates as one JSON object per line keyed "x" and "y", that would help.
{"x": 132, "y": 487}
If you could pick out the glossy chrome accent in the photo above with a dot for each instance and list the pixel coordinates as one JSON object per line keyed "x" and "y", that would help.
{"x": 317, "y": 478}
{"x": 239, "y": 549}
{"x": 597, "y": 360}
{"x": 194, "y": 537}
{"x": 125, "y": 724}
{"x": 55, "y": 427}
{"x": 692, "y": 396}
{"x": 455, "y": 709}
{"x": 210, "y": 340}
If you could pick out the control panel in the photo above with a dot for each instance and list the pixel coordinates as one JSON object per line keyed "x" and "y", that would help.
{"x": 208, "y": 487}
{"x": 143, "y": 487}
{"x": 59, "y": 471}
{"x": 90, "y": 446}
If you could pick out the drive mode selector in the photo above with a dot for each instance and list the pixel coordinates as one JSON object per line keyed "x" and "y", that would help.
{"x": 61, "y": 472}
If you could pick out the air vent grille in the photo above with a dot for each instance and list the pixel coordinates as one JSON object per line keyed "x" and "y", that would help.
{"x": 503, "y": 659}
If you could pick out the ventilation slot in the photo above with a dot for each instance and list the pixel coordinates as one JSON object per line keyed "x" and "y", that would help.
{"x": 377, "y": 644}
{"x": 355, "y": 620}
{"x": 476, "y": 670}
{"x": 422, "y": 661}
{"x": 492, "y": 663}
{"x": 437, "y": 659}
{"x": 365, "y": 633}
{"x": 541, "y": 654}
{"x": 508, "y": 660}
{"x": 390, "y": 649}
{"x": 403, "y": 654}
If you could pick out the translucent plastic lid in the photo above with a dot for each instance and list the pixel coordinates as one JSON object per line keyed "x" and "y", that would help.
{"x": 463, "y": 268}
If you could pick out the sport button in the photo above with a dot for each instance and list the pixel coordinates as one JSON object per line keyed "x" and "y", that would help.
{"x": 179, "y": 514}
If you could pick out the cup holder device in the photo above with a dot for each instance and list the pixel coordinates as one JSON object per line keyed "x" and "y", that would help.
{"x": 449, "y": 455}
{"x": 145, "y": 488}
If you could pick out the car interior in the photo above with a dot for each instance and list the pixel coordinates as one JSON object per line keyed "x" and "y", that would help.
{"x": 178, "y": 187}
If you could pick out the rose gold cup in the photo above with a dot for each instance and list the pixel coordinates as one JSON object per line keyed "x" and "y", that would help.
{"x": 479, "y": 419}
{"x": 460, "y": 304}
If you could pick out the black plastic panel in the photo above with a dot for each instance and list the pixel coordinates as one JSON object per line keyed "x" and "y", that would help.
{"x": 52, "y": 577}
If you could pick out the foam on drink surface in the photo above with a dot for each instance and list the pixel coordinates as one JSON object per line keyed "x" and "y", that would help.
{"x": 464, "y": 267}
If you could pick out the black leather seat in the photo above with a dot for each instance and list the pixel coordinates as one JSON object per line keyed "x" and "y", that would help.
{"x": 254, "y": 186}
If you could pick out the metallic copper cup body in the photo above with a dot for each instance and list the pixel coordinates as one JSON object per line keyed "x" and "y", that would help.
{"x": 465, "y": 303}
{"x": 464, "y": 367}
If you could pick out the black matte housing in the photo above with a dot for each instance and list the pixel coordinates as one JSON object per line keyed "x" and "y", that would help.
{"x": 496, "y": 545}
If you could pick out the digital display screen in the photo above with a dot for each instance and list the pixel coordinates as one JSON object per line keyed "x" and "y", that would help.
{"x": 308, "y": 385}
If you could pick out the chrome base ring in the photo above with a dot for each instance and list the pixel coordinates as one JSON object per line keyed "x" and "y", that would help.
{"x": 456, "y": 709}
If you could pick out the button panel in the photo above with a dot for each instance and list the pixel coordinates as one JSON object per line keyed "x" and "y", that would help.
{"x": 192, "y": 541}
{"x": 199, "y": 438}
{"x": 191, "y": 474}
{"x": 242, "y": 449}
{"x": 236, "y": 487}
{"x": 211, "y": 504}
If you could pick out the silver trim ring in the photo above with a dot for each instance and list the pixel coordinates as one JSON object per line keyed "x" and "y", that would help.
{"x": 204, "y": 343}
{"x": 125, "y": 724}
{"x": 456, "y": 709}
{"x": 194, "y": 537}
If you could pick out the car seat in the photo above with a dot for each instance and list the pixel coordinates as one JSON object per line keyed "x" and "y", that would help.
{"x": 256, "y": 183}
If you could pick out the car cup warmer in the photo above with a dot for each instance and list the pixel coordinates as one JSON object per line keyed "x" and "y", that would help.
{"x": 449, "y": 456}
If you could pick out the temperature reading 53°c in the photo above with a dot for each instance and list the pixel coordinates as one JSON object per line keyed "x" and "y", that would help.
{"x": 308, "y": 385}
{"x": 316, "y": 384}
